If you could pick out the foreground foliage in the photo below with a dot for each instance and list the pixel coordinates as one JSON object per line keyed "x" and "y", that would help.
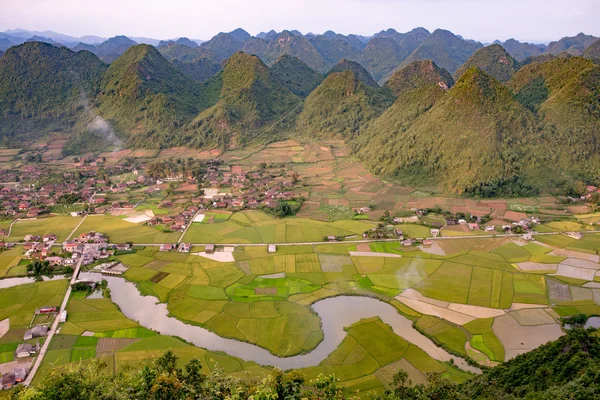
{"x": 568, "y": 368}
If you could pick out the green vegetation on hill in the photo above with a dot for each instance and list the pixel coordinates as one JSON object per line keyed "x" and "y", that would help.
{"x": 343, "y": 103}
{"x": 45, "y": 88}
{"x": 145, "y": 96}
{"x": 295, "y": 75}
{"x": 250, "y": 99}
{"x": 445, "y": 49}
{"x": 180, "y": 52}
{"x": 222, "y": 46}
{"x": 565, "y": 95}
{"x": 382, "y": 56}
{"x": 593, "y": 51}
{"x": 475, "y": 133}
{"x": 297, "y": 46}
{"x": 492, "y": 59}
{"x": 418, "y": 74}
{"x": 199, "y": 70}
{"x": 567, "y": 368}
{"x": 359, "y": 72}
{"x": 335, "y": 49}
{"x": 111, "y": 49}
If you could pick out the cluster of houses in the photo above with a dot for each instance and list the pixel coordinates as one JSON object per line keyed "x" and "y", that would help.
{"x": 175, "y": 223}
{"x": 248, "y": 191}
{"x": 27, "y": 349}
{"x": 182, "y": 247}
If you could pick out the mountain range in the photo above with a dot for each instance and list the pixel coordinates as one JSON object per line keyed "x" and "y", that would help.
{"x": 425, "y": 109}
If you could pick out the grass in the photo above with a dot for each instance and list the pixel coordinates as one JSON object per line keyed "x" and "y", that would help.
{"x": 256, "y": 227}
{"x": 121, "y": 231}
{"x": 10, "y": 259}
{"x": 450, "y": 282}
{"x": 369, "y": 355}
{"x": 20, "y": 302}
{"x": 60, "y": 226}
{"x": 451, "y": 336}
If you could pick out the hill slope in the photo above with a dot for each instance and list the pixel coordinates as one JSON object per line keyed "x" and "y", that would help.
{"x": 381, "y": 56}
{"x": 147, "y": 98}
{"x": 200, "y": 70}
{"x": 343, "y": 103}
{"x": 418, "y": 74}
{"x": 521, "y": 51}
{"x": 566, "y": 368}
{"x": 250, "y": 98}
{"x": 44, "y": 88}
{"x": 445, "y": 49}
{"x": 296, "y": 46}
{"x": 492, "y": 59}
{"x": 476, "y": 133}
{"x": 298, "y": 77}
{"x": 575, "y": 45}
{"x": 565, "y": 94}
{"x": 593, "y": 51}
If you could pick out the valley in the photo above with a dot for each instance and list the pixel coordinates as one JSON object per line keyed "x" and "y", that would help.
{"x": 405, "y": 215}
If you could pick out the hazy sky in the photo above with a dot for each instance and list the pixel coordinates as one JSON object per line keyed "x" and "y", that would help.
{"x": 484, "y": 20}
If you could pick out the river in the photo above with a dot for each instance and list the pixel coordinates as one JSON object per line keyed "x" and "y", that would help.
{"x": 335, "y": 313}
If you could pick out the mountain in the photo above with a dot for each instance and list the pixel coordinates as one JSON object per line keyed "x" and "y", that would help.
{"x": 250, "y": 101}
{"x": 181, "y": 41}
{"x": 111, "y": 49}
{"x": 200, "y": 70}
{"x": 445, "y": 49}
{"x": 417, "y": 75}
{"x": 5, "y": 43}
{"x": 44, "y": 88}
{"x": 521, "y": 51}
{"x": 223, "y": 46}
{"x": 44, "y": 40}
{"x": 298, "y": 77}
{"x": 83, "y": 46}
{"x": 334, "y": 49}
{"x": 1, "y": 53}
{"x": 343, "y": 103}
{"x": 66, "y": 40}
{"x": 147, "y": 98}
{"x": 575, "y": 45}
{"x": 257, "y": 47}
{"x": 408, "y": 41}
{"x": 473, "y": 135}
{"x": 296, "y": 46}
{"x": 492, "y": 59}
{"x": 593, "y": 51}
{"x": 381, "y": 56}
{"x": 543, "y": 58}
{"x": 359, "y": 72}
{"x": 353, "y": 40}
{"x": 565, "y": 95}
{"x": 268, "y": 36}
{"x": 180, "y": 52}
{"x": 240, "y": 35}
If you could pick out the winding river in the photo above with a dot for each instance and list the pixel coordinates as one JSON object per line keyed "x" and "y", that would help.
{"x": 335, "y": 314}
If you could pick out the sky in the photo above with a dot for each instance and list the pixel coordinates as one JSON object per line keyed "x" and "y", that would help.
{"x": 482, "y": 20}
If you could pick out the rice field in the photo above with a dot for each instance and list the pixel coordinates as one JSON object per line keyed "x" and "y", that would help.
{"x": 254, "y": 227}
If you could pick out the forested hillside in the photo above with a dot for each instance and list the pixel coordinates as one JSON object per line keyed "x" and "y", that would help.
{"x": 392, "y": 97}
{"x": 45, "y": 88}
